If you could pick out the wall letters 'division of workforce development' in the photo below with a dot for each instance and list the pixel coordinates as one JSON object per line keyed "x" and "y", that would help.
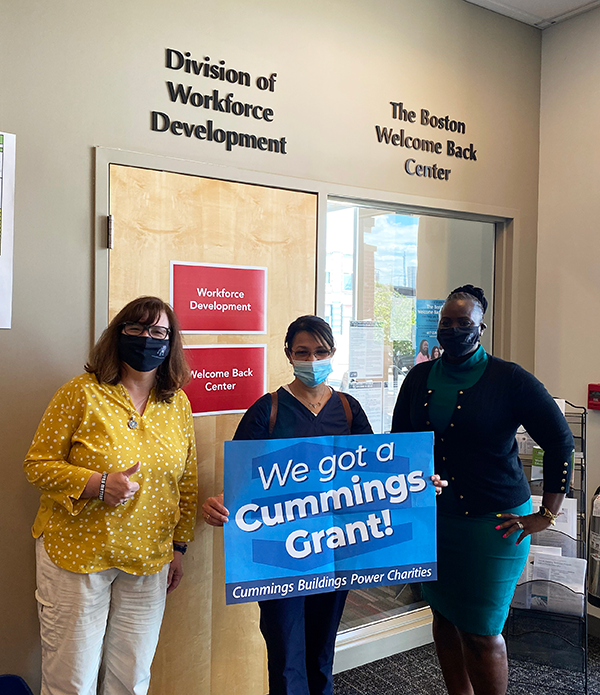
{"x": 212, "y": 87}
{"x": 317, "y": 514}
{"x": 209, "y": 88}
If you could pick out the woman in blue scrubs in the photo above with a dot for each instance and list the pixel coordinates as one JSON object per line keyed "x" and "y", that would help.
{"x": 300, "y": 631}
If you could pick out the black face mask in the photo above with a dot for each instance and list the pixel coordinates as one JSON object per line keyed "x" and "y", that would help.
{"x": 142, "y": 353}
{"x": 458, "y": 342}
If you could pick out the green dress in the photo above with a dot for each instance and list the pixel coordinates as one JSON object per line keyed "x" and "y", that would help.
{"x": 477, "y": 569}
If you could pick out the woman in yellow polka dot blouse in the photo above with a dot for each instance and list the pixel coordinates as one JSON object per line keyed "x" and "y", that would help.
{"x": 115, "y": 459}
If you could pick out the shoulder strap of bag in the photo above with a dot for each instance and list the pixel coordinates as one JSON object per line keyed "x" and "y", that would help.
{"x": 274, "y": 406}
{"x": 347, "y": 409}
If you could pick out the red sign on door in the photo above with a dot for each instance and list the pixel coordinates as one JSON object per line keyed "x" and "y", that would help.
{"x": 225, "y": 378}
{"x": 210, "y": 298}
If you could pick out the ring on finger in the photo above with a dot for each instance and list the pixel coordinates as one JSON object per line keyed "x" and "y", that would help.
{"x": 520, "y": 525}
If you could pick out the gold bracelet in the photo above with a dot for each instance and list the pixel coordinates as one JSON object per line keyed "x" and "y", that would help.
{"x": 547, "y": 514}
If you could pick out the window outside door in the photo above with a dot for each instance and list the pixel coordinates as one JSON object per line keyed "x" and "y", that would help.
{"x": 386, "y": 275}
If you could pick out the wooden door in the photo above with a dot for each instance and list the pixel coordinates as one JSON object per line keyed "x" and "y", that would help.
{"x": 207, "y": 647}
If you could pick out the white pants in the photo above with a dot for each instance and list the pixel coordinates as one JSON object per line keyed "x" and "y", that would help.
{"x": 103, "y": 626}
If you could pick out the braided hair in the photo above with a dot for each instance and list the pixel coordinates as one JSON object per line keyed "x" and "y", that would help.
{"x": 470, "y": 292}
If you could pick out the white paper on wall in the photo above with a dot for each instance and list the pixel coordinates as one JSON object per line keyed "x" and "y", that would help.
{"x": 7, "y": 218}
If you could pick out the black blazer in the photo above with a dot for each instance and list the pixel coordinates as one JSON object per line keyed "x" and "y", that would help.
{"x": 478, "y": 452}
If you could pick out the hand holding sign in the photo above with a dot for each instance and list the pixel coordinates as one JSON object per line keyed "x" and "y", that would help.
{"x": 438, "y": 483}
{"x": 213, "y": 511}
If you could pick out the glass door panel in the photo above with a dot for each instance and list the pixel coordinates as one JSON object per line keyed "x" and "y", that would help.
{"x": 387, "y": 272}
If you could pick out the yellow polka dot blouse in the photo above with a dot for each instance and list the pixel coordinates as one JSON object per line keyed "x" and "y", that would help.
{"x": 85, "y": 430}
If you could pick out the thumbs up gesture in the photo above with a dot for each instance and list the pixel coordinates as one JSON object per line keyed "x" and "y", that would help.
{"x": 119, "y": 489}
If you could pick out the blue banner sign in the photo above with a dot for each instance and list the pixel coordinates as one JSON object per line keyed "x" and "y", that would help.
{"x": 323, "y": 513}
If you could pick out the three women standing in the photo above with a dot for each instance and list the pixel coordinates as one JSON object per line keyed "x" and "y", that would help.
{"x": 114, "y": 457}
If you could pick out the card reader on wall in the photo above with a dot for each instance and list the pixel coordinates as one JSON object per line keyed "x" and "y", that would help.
{"x": 594, "y": 396}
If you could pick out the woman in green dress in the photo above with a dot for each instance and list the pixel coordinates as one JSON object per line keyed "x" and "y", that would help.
{"x": 474, "y": 403}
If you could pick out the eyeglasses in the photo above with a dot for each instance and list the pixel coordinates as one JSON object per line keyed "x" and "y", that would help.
{"x": 158, "y": 332}
{"x": 320, "y": 354}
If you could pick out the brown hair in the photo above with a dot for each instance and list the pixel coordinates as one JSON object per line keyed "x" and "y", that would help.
{"x": 104, "y": 360}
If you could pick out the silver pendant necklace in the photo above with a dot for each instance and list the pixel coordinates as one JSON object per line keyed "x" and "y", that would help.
{"x": 312, "y": 405}
{"x": 133, "y": 420}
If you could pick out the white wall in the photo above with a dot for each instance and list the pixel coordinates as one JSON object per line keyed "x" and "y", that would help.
{"x": 80, "y": 73}
{"x": 568, "y": 270}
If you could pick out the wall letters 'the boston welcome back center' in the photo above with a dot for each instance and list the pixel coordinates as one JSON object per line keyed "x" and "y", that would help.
{"x": 424, "y": 144}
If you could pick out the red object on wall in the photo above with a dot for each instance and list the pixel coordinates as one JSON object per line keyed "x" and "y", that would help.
{"x": 594, "y": 396}
{"x": 225, "y": 378}
{"x": 210, "y": 298}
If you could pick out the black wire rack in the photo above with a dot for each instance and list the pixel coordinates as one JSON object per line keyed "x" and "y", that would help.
{"x": 548, "y": 649}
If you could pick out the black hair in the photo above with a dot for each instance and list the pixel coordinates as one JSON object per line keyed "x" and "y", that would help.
{"x": 421, "y": 346}
{"x": 314, "y": 325}
{"x": 470, "y": 292}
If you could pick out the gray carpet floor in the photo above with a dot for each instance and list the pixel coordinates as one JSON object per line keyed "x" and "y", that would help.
{"x": 417, "y": 672}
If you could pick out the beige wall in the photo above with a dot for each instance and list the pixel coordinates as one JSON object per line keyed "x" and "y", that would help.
{"x": 568, "y": 275}
{"x": 76, "y": 74}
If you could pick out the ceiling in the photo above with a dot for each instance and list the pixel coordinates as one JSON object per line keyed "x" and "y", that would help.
{"x": 538, "y": 13}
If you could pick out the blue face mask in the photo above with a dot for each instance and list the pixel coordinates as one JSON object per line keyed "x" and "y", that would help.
{"x": 312, "y": 372}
